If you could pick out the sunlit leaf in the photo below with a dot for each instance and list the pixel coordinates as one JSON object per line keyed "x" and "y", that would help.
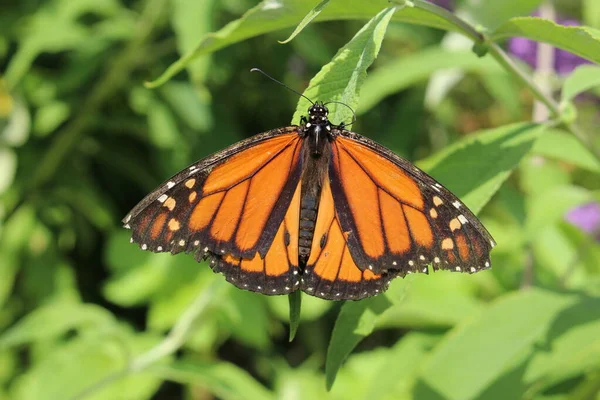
{"x": 223, "y": 379}
{"x": 312, "y": 14}
{"x": 385, "y": 373}
{"x": 408, "y": 70}
{"x": 584, "y": 78}
{"x": 442, "y": 299}
{"x": 580, "y": 40}
{"x": 475, "y": 167}
{"x": 53, "y": 320}
{"x": 475, "y": 354}
{"x": 8, "y": 167}
{"x": 192, "y": 19}
{"x": 591, "y": 13}
{"x": 356, "y": 320}
{"x": 272, "y": 15}
{"x": 492, "y": 13}
{"x": 341, "y": 79}
{"x": 550, "y": 207}
{"x": 84, "y": 361}
{"x": 561, "y": 145}
{"x": 574, "y": 346}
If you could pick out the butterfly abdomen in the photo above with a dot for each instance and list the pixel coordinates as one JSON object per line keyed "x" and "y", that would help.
{"x": 315, "y": 170}
{"x": 308, "y": 217}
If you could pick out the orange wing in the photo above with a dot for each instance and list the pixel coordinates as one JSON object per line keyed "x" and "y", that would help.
{"x": 277, "y": 272}
{"x": 396, "y": 217}
{"x": 331, "y": 272}
{"x": 232, "y": 203}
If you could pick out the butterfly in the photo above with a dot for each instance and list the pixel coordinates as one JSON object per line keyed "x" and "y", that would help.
{"x": 313, "y": 207}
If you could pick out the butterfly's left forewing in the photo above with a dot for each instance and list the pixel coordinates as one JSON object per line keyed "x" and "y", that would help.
{"x": 396, "y": 217}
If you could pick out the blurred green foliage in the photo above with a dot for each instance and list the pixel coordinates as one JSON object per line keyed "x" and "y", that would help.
{"x": 83, "y": 139}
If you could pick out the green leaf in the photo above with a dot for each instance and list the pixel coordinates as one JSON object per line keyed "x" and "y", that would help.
{"x": 477, "y": 353}
{"x": 580, "y": 40}
{"x": 85, "y": 361}
{"x": 162, "y": 125}
{"x": 8, "y": 168}
{"x": 54, "y": 28}
{"x": 570, "y": 350}
{"x": 475, "y": 167}
{"x": 188, "y": 103}
{"x": 554, "y": 256}
{"x": 440, "y": 300}
{"x": 591, "y": 13}
{"x": 583, "y": 78}
{"x": 50, "y": 116}
{"x": 537, "y": 176}
{"x": 272, "y": 15}
{"x": 312, "y": 307}
{"x": 53, "y": 320}
{"x": 16, "y": 131}
{"x": 295, "y": 300}
{"x": 549, "y": 207}
{"x": 191, "y": 19}
{"x": 184, "y": 279}
{"x": 225, "y": 380}
{"x": 312, "y": 14}
{"x": 246, "y": 317}
{"x": 385, "y": 373}
{"x": 302, "y": 382}
{"x": 505, "y": 90}
{"x": 21, "y": 227}
{"x": 341, "y": 79}
{"x": 561, "y": 145}
{"x": 415, "y": 68}
{"x": 355, "y": 321}
{"x": 492, "y": 13}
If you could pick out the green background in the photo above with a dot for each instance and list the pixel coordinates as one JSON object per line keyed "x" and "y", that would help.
{"x": 84, "y": 136}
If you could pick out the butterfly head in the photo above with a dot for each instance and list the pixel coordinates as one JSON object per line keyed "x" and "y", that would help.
{"x": 317, "y": 114}
{"x": 317, "y": 128}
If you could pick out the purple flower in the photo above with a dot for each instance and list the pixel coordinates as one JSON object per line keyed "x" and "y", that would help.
{"x": 586, "y": 217}
{"x": 564, "y": 62}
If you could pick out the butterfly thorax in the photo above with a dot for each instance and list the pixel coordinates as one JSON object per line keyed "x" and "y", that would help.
{"x": 317, "y": 129}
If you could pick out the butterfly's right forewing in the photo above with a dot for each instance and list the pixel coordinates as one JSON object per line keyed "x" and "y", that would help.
{"x": 232, "y": 203}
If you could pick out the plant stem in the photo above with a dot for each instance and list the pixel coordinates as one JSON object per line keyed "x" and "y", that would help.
{"x": 542, "y": 75}
{"x": 504, "y": 59}
{"x": 464, "y": 27}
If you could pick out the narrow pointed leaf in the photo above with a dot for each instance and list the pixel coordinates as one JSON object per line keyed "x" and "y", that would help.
{"x": 312, "y": 14}
{"x": 341, "y": 79}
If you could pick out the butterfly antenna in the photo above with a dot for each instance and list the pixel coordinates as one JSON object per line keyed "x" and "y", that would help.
{"x": 281, "y": 83}
{"x": 351, "y": 109}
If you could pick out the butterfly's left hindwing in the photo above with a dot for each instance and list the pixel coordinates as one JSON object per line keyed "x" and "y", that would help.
{"x": 231, "y": 203}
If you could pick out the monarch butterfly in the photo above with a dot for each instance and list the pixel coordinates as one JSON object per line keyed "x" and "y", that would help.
{"x": 313, "y": 207}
